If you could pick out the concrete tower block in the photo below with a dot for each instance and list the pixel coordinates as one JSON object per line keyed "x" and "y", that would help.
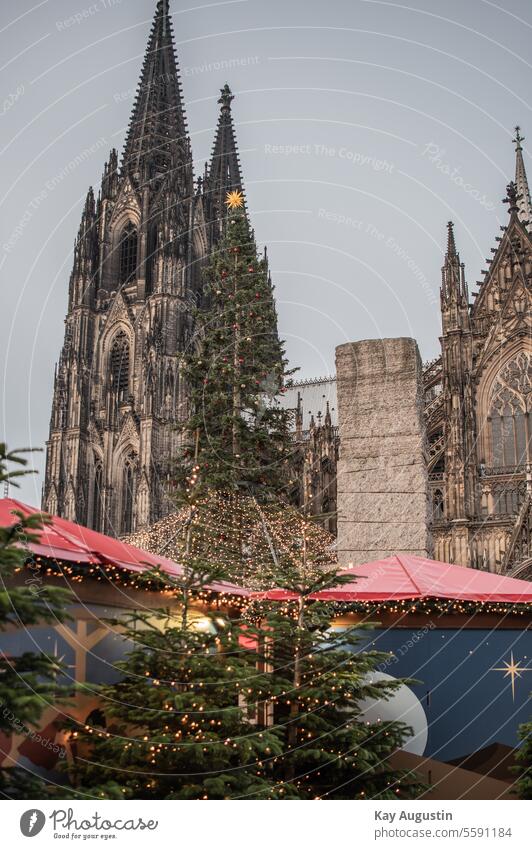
{"x": 383, "y": 504}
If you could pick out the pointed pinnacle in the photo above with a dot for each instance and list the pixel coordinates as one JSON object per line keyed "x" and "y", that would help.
{"x": 511, "y": 197}
{"x": 451, "y": 245}
{"x": 518, "y": 138}
{"x": 88, "y": 210}
{"x": 523, "y": 202}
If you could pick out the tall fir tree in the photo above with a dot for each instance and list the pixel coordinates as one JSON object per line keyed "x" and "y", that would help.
{"x": 324, "y": 678}
{"x": 179, "y": 724}
{"x": 27, "y": 681}
{"x": 237, "y": 435}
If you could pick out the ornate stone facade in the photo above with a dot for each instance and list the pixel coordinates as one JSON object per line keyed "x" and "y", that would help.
{"x": 478, "y": 413}
{"x": 118, "y": 391}
{"x": 316, "y": 443}
{"x": 477, "y": 405}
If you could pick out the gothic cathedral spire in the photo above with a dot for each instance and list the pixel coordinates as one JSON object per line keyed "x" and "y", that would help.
{"x": 157, "y": 139}
{"x": 223, "y": 174}
{"x": 523, "y": 193}
{"x": 118, "y": 392}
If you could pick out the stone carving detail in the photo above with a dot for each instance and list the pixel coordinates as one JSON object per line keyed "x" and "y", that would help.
{"x": 513, "y": 387}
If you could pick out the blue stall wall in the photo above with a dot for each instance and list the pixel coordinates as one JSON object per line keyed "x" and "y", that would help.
{"x": 95, "y": 638}
{"x": 465, "y": 680}
{"x": 465, "y": 683}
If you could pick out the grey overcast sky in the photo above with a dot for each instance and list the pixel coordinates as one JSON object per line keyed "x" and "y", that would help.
{"x": 363, "y": 126}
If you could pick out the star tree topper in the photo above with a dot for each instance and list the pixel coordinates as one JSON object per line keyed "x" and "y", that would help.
{"x": 234, "y": 200}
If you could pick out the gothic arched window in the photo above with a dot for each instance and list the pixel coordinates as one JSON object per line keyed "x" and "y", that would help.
{"x": 128, "y": 253}
{"x": 128, "y": 495}
{"x": 437, "y": 505}
{"x": 507, "y": 498}
{"x": 119, "y": 365}
{"x": 511, "y": 425}
{"x": 151, "y": 259}
{"x": 97, "y": 498}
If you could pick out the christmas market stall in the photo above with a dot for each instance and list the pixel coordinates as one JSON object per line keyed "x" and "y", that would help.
{"x": 465, "y": 638}
{"x": 108, "y": 580}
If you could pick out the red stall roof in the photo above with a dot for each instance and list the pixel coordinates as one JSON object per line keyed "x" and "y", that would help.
{"x": 396, "y": 578}
{"x": 64, "y": 540}
{"x": 404, "y": 576}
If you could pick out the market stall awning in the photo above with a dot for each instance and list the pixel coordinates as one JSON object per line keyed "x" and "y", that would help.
{"x": 71, "y": 543}
{"x": 405, "y": 577}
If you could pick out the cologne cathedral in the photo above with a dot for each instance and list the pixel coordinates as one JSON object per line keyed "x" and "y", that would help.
{"x": 119, "y": 393}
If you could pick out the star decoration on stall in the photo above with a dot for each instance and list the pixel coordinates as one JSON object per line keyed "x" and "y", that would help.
{"x": 234, "y": 199}
{"x": 58, "y": 663}
{"x": 512, "y": 670}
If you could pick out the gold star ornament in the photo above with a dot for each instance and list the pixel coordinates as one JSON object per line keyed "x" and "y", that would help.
{"x": 234, "y": 200}
{"x": 512, "y": 670}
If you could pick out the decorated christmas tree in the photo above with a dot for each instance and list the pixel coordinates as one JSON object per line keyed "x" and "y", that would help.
{"x": 27, "y": 681}
{"x": 322, "y": 680}
{"x": 237, "y": 435}
{"x": 264, "y": 707}
{"x": 184, "y": 720}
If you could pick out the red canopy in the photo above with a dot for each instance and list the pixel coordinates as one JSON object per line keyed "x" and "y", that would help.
{"x": 404, "y": 576}
{"x": 66, "y": 541}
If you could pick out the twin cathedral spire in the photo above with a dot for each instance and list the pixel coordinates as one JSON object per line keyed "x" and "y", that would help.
{"x": 138, "y": 257}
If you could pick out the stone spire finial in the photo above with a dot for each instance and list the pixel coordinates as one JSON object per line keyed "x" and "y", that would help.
{"x": 226, "y": 97}
{"x": 524, "y": 205}
{"x": 451, "y": 245}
